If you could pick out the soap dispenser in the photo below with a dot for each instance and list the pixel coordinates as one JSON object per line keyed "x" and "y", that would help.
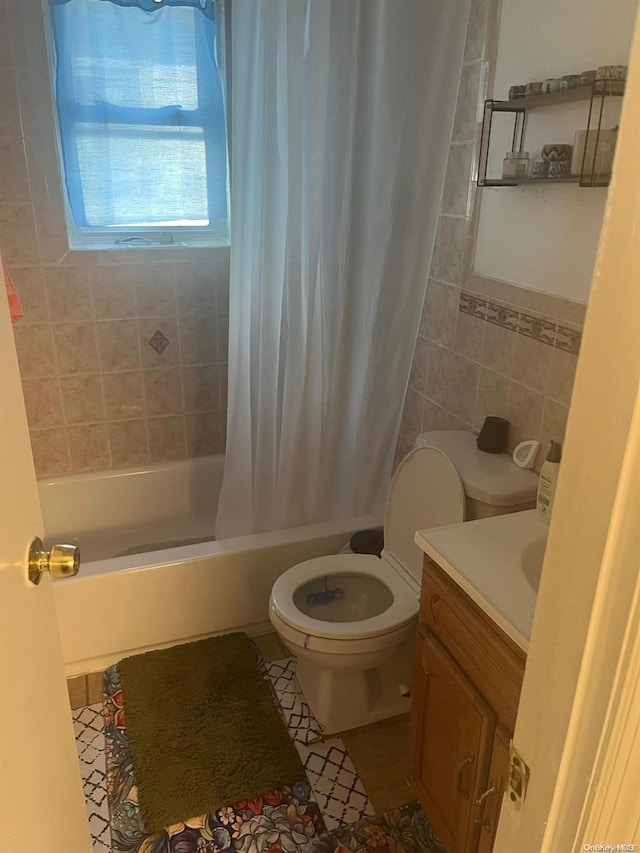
{"x": 548, "y": 480}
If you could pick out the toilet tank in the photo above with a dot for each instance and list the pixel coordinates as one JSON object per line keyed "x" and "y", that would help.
{"x": 493, "y": 483}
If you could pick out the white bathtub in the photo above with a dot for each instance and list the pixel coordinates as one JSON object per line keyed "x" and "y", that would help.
{"x": 111, "y": 512}
{"x": 119, "y": 605}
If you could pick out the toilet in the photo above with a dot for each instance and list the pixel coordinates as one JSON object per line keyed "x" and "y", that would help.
{"x": 350, "y": 619}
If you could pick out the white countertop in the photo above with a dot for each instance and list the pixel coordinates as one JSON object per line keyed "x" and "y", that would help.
{"x": 484, "y": 558}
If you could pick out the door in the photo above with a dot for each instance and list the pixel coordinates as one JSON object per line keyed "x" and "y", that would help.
{"x": 579, "y": 715}
{"x": 451, "y": 741}
{"x": 41, "y": 801}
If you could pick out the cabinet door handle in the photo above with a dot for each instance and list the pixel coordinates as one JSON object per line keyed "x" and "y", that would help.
{"x": 435, "y": 598}
{"x": 469, "y": 759}
{"x": 485, "y": 824}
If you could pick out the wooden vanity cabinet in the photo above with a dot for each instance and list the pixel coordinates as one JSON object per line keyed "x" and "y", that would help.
{"x": 465, "y": 700}
{"x": 488, "y": 809}
{"x": 452, "y": 744}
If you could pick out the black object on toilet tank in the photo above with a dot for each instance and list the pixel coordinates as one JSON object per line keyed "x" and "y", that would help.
{"x": 367, "y": 542}
{"x": 494, "y": 435}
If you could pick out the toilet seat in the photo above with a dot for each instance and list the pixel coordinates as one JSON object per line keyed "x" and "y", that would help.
{"x": 426, "y": 491}
{"x": 402, "y": 610}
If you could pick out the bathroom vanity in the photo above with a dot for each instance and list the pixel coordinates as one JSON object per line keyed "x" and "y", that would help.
{"x": 479, "y": 588}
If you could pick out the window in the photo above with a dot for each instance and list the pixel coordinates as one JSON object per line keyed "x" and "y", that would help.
{"x": 141, "y": 122}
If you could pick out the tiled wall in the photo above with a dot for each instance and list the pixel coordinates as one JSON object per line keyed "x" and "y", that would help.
{"x": 122, "y": 353}
{"x": 485, "y": 347}
{"x": 489, "y": 348}
{"x": 85, "y": 689}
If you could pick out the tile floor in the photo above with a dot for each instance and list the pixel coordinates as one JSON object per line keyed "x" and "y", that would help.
{"x": 334, "y": 779}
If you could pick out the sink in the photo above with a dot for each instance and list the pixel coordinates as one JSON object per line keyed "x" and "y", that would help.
{"x": 497, "y": 562}
{"x": 531, "y": 559}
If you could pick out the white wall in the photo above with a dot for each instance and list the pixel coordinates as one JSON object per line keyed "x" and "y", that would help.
{"x": 546, "y": 237}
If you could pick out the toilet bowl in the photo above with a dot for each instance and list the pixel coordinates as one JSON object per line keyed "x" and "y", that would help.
{"x": 344, "y": 646}
{"x": 350, "y": 619}
{"x": 371, "y": 612}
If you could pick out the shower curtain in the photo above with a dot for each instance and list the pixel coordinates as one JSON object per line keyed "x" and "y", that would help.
{"x": 341, "y": 119}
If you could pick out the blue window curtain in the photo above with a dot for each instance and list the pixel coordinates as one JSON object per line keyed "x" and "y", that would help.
{"x": 141, "y": 112}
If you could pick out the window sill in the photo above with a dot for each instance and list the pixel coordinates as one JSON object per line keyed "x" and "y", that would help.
{"x": 92, "y": 246}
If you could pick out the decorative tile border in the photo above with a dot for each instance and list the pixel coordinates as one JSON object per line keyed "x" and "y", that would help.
{"x": 522, "y": 323}
{"x": 501, "y": 315}
{"x": 472, "y": 305}
{"x": 538, "y": 329}
{"x": 568, "y": 339}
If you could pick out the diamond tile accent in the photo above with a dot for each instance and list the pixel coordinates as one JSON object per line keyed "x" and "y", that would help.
{"x": 335, "y": 782}
{"x": 89, "y": 731}
{"x": 159, "y": 342}
{"x": 303, "y": 726}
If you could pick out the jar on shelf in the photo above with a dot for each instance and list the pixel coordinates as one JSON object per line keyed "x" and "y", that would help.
{"x": 539, "y": 169}
{"x": 516, "y": 164}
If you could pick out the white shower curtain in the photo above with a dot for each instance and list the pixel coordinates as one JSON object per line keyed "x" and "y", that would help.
{"x": 341, "y": 119}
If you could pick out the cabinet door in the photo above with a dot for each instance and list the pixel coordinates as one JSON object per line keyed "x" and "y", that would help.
{"x": 452, "y": 732}
{"x": 489, "y": 803}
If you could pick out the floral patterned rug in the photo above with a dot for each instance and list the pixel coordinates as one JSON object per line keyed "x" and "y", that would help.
{"x": 403, "y": 830}
{"x": 285, "y": 821}
{"x": 281, "y": 821}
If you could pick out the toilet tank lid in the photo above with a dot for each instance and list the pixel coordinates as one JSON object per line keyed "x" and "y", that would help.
{"x": 492, "y": 478}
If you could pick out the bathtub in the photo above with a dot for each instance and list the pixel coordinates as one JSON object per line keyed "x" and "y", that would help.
{"x": 151, "y": 574}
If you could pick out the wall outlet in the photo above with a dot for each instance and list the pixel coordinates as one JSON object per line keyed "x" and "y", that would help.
{"x": 518, "y": 779}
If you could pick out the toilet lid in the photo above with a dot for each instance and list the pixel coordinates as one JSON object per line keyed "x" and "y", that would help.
{"x": 426, "y": 491}
{"x": 393, "y": 605}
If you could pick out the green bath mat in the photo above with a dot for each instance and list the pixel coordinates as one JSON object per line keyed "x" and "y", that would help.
{"x": 203, "y": 729}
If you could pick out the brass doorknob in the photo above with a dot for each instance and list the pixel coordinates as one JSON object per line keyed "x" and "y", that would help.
{"x": 62, "y": 561}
